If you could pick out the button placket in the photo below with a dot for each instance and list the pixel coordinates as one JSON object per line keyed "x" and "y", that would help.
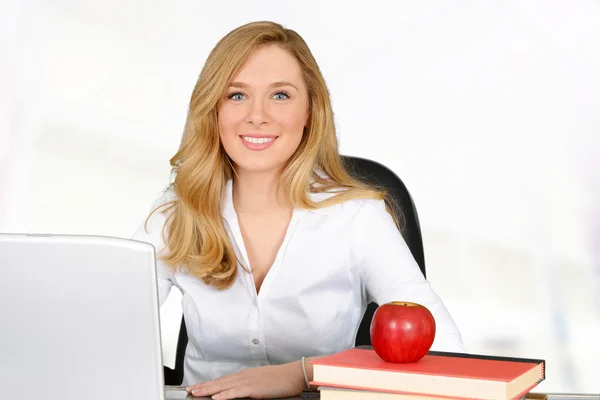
{"x": 254, "y": 330}
{"x": 256, "y": 339}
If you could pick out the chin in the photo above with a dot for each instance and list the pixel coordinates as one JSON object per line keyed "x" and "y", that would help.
{"x": 260, "y": 167}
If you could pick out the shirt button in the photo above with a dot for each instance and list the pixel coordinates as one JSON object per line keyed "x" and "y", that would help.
{"x": 255, "y": 341}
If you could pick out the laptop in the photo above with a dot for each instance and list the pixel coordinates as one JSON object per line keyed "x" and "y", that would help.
{"x": 80, "y": 319}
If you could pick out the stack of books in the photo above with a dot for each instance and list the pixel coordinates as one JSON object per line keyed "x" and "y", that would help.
{"x": 359, "y": 374}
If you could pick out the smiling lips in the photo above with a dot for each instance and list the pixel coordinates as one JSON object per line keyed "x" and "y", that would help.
{"x": 258, "y": 142}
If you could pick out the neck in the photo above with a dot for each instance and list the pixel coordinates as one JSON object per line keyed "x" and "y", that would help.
{"x": 258, "y": 193}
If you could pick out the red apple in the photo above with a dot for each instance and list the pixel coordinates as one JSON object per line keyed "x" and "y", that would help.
{"x": 402, "y": 332}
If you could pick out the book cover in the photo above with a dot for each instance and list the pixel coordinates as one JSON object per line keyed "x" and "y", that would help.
{"x": 437, "y": 374}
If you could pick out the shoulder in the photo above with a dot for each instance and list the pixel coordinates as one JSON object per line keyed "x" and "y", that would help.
{"x": 349, "y": 206}
{"x": 362, "y": 208}
{"x": 152, "y": 228}
{"x": 365, "y": 211}
{"x": 159, "y": 209}
{"x": 165, "y": 196}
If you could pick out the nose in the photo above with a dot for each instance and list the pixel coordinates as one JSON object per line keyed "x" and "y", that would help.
{"x": 257, "y": 113}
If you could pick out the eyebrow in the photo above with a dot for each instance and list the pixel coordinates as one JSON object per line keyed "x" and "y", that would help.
{"x": 272, "y": 85}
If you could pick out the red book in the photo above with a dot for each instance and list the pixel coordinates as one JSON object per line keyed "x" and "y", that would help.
{"x": 466, "y": 376}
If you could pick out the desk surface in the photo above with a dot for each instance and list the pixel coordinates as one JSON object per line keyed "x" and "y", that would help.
{"x": 179, "y": 395}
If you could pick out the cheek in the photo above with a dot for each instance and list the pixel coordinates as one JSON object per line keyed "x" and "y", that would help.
{"x": 228, "y": 122}
{"x": 227, "y": 119}
{"x": 294, "y": 131}
{"x": 293, "y": 122}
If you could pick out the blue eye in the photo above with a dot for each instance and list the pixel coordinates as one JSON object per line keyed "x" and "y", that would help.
{"x": 236, "y": 96}
{"x": 281, "y": 96}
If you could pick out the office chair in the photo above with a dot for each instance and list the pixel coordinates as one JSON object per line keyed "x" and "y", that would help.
{"x": 380, "y": 176}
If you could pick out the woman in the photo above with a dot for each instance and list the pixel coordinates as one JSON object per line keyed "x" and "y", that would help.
{"x": 275, "y": 248}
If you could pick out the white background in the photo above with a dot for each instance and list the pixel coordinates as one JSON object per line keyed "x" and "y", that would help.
{"x": 488, "y": 110}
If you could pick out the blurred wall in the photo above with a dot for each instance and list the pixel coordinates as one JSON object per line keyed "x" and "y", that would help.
{"x": 488, "y": 110}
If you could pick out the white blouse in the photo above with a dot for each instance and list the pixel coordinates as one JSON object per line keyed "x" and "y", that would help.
{"x": 332, "y": 262}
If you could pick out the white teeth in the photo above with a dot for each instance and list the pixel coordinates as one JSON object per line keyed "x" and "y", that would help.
{"x": 257, "y": 140}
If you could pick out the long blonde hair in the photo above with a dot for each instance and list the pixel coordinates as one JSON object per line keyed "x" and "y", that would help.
{"x": 195, "y": 234}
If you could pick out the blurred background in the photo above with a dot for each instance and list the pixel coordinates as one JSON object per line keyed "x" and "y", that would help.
{"x": 488, "y": 110}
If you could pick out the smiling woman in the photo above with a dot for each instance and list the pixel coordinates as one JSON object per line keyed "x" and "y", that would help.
{"x": 275, "y": 248}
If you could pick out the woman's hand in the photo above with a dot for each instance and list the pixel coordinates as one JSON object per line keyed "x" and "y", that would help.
{"x": 270, "y": 381}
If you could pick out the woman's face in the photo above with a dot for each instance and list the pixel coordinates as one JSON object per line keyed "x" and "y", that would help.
{"x": 264, "y": 111}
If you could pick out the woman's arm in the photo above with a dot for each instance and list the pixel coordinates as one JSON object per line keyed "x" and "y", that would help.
{"x": 390, "y": 273}
{"x": 152, "y": 233}
{"x": 271, "y": 381}
{"x": 309, "y": 370}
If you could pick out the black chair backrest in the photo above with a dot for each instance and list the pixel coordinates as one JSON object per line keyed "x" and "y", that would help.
{"x": 380, "y": 176}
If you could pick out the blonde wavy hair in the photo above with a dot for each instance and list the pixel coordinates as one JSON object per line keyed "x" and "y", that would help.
{"x": 195, "y": 235}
